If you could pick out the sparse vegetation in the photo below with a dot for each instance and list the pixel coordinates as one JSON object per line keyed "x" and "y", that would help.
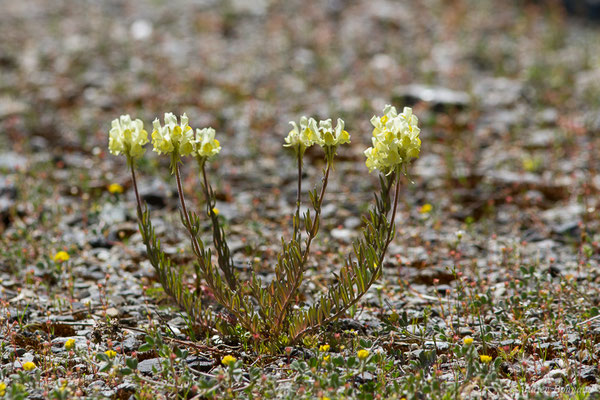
{"x": 488, "y": 288}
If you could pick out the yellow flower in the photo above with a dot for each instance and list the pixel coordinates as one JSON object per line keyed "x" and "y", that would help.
{"x": 61, "y": 256}
{"x": 324, "y": 348}
{"x": 485, "y": 359}
{"x": 111, "y": 353}
{"x": 325, "y": 398}
{"x": 127, "y": 136}
{"x": 70, "y": 344}
{"x": 115, "y": 188}
{"x": 215, "y": 210}
{"x": 328, "y": 137}
{"x": 425, "y": 208}
{"x": 29, "y": 366}
{"x": 173, "y": 137}
{"x": 304, "y": 136}
{"x": 228, "y": 360}
{"x": 395, "y": 140}
{"x": 2, "y": 388}
{"x": 468, "y": 341}
{"x": 205, "y": 144}
{"x": 362, "y": 354}
{"x": 326, "y": 358}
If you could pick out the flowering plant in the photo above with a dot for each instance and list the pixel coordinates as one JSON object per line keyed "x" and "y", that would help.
{"x": 395, "y": 140}
{"x": 269, "y": 312}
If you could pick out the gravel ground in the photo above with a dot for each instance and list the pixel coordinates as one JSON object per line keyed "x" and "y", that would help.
{"x": 497, "y": 228}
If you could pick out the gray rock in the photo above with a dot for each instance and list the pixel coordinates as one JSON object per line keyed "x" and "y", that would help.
{"x": 430, "y": 166}
{"x": 146, "y": 366}
{"x": 439, "y": 97}
{"x": 125, "y": 390}
{"x": 130, "y": 344}
{"x": 343, "y": 235}
{"x": 544, "y": 383}
{"x": 557, "y": 374}
{"x": 10, "y": 106}
{"x": 588, "y": 374}
{"x": 497, "y": 92}
{"x": 113, "y": 213}
{"x": 352, "y": 223}
{"x": 563, "y": 214}
{"x": 12, "y": 161}
{"x": 329, "y": 210}
{"x": 364, "y": 377}
{"x": 441, "y": 346}
{"x": 201, "y": 364}
{"x": 540, "y": 139}
{"x": 97, "y": 385}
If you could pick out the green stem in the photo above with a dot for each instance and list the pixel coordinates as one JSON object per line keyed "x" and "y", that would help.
{"x": 300, "y": 268}
{"x": 223, "y": 254}
{"x": 135, "y": 188}
{"x": 389, "y": 238}
{"x": 195, "y": 244}
{"x": 315, "y": 227}
{"x": 296, "y": 224}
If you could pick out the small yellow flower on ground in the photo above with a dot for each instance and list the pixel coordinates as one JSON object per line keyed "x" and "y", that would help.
{"x": 324, "y": 348}
{"x": 111, "y": 353}
{"x": 485, "y": 359}
{"x": 61, "y": 256}
{"x": 468, "y": 341}
{"x": 70, "y": 344}
{"x": 29, "y": 366}
{"x": 326, "y": 358}
{"x": 426, "y": 208}
{"x": 2, "y": 388}
{"x": 228, "y": 360}
{"x": 362, "y": 354}
{"x": 115, "y": 188}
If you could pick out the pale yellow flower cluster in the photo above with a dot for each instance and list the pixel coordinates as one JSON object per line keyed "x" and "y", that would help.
{"x": 304, "y": 136}
{"x": 173, "y": 137}
{"x": 395, "y": 140}
{"x": 206, "y": 145}
{"x": 176, "y": 138}
{"x": 332, "y": 137}
{"x": 322, "y": 133}
{"x": 127, "y": 137}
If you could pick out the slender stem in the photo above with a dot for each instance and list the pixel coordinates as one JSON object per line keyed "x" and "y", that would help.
{"x": 315, "y": 227}
{"x": 195, "y": 244}
{"x": 135, "y": 188}
{"x": 296, "y": 225}
{"x": 373, "y": 278}
{"x": 300, "y": 270}
{"x": 392, "y": 219}
{"x": 218, "y": 240}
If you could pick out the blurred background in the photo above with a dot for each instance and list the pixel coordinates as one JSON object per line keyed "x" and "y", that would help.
{"x": 508, "y": 93}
